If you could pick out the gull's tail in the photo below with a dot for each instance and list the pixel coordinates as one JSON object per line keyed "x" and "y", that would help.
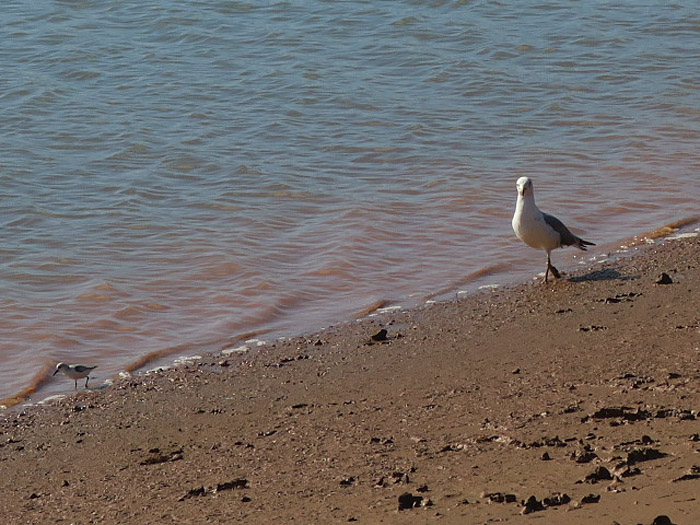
{"x": 581, "y": 244}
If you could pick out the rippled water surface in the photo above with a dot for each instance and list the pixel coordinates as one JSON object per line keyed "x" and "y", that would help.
{"x": 176, "y": 176}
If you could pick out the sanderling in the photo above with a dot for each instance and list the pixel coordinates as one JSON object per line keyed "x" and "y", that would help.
{"x": 540, "y": 230}
{"x": 75, "y": 372}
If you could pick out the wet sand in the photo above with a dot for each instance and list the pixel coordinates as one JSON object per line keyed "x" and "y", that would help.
{"x": 572, "y": 402}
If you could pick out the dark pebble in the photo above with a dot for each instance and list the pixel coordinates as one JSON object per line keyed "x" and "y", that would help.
{"x": 556, "y": 499}
{"x": 591, "y": 498}
{"x": 409, "y": 501}
{"x": 380, "y": 336}
{"x": 347, "y": 482}
{"x": 532, "y": 505}
{"x": 643, "y": 454}
{"x": 599, "y": 474}
{"x": 664, "y": 278}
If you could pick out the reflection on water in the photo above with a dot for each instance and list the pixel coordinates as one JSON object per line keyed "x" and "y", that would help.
{"x": 175, "y": 177}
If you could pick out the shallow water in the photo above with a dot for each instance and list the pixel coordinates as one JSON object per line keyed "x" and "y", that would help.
{"x": 177, "y": 176}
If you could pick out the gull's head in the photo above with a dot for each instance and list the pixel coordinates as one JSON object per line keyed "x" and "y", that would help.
{"x": 524, "y": 185}
{"x": 59, "y": 367}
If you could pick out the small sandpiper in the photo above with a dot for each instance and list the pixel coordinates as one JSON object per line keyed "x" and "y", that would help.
{"x": 75, "y": 372}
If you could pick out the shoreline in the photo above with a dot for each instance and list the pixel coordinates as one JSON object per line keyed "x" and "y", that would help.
{"x": 580, "y": 397}
{"x": 139, "y": 367}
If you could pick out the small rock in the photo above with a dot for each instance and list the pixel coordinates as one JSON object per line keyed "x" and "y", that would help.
{"x": 693, "y": 473}
{"x": 500, "y": 497}
{"x": 591, "y": 498}
{"x": 664, "y": 278}
{"x": 532, "y": 505}
{"x": 347, "y": 482}
{"x": 380, "y": 336}
{"x": 598, "y": 474}
{"x": 516, "y": 371}
{"x": 628, "y": 472}
{"x": 199, "y": 491}
{"x": 638, "y": 455}
{"x": 240, "y": 483}
{"x": 583, "y": 456}
{"x": 546, "y": 456}
{"x": 556, "y": 499}
{"x": 662, "y": 520}
{"x": 409, "y": 501}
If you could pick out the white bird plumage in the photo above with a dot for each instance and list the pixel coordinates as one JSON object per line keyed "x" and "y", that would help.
{"x": 75, "y": 372}
{"x": 540, "y": 230}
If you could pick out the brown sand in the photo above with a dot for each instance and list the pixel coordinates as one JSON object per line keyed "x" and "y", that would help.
{"x": 582, "y": 393}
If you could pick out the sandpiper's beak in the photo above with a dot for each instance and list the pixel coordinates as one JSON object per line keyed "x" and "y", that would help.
{"x": 55, "y": 372}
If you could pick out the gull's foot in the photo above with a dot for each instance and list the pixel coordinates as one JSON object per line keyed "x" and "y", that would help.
{"x": 555, "y": 272}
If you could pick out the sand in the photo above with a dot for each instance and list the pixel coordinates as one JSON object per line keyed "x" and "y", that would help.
{"x": 574, "y": 402}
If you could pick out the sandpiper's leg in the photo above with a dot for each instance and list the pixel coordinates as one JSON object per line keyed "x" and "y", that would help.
{"x": 76, "y": 384}
{"x": 86, "y": 381}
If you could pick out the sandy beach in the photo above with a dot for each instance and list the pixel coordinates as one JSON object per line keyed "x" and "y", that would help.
{"x": 572, "y": 402}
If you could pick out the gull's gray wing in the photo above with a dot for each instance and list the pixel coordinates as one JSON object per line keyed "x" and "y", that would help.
{"x": 567, "y": 238}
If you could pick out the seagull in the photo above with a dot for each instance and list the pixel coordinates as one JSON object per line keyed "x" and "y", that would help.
{"x": 75, "y": 372}
{"x": 540, "y": 230}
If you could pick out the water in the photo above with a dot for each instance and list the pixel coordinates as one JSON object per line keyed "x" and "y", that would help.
{"x": 177, "y": 176}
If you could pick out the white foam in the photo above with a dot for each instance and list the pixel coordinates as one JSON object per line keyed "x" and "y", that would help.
{"x": 51, "y": 399}
{"x": 688, "y": 235}
{"x": 186, "y": 360}
{"x": 157, "y": 369}
{"x": 237, "y": 350}
{"x": 386, "y": 310}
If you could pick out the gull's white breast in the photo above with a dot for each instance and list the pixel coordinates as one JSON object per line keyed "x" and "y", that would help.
{"x": 530, "y": 227}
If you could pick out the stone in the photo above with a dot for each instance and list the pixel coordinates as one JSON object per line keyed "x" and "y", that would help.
{"x": 409, "y": 501}
{"x": 532, "y": 505}
{"x": 380, "y": 336}
{"x": 664, "y": 278}
{"x": 591, "y": 498}
{"x": 662, "y": 520}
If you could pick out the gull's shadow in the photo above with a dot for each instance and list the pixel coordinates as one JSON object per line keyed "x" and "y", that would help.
{"x": 609, "y": 274}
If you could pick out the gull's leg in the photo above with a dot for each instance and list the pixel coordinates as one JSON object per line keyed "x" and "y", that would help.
{"x": 546, "y": 272}
{"x": 551, "y": 268}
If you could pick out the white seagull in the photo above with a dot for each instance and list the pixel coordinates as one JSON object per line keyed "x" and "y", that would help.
{"x": 540, "y": 230}
{"x": 75, "y": 372}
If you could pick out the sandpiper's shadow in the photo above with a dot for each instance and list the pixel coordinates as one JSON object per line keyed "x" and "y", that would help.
{"x": 609, "y": 274}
